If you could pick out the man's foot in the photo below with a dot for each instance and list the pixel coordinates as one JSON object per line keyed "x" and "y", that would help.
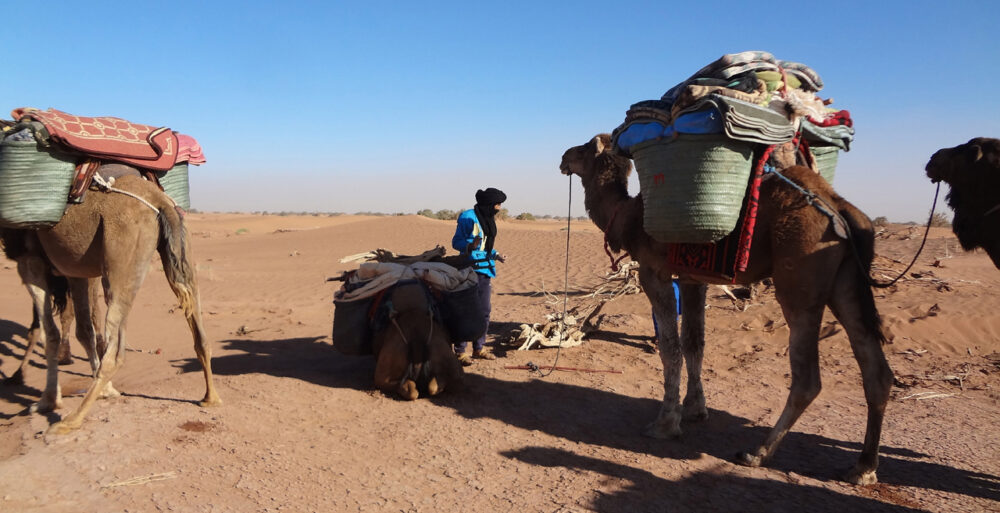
{"x": 464, "y": 359}
{"x": 484, "y": 354}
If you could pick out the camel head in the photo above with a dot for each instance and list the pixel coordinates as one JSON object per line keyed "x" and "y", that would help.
{"x": 972, "y": 171}
{"x": 596, "y": 160}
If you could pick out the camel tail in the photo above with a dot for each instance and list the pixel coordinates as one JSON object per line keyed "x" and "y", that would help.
{"x": 176, "y": 264}
{"x": 863, "y": 240}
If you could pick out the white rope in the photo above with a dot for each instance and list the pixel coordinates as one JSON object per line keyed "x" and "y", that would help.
{"x": 107, "y": 186}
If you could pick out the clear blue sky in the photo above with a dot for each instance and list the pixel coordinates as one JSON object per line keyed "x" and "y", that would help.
{"x": 399, "y": 106}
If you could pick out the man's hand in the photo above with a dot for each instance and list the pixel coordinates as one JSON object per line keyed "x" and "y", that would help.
{"x": 474, "y": 244}
{"x": 501, "y": 258}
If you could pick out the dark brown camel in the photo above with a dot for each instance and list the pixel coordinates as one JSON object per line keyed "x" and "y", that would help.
{"x": 812, "y": 269}
{"x": 972, "y": 170}
{"x": 113, "y": 236}
{"x": 413, "y": 353}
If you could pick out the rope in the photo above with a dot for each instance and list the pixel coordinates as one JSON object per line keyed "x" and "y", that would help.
{"x": 930, "y": 219}
{"x": 107, "y": 186}
{"x": 562, "y": 328}
{"x": 823, "y": 207}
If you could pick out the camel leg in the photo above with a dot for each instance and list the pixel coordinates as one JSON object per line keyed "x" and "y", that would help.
{"x": 203, "y": 349}
{"x": 853, "y": 305}
{"x": 804, "y": 320}
{"x": 445, "y": 370}
{"x": 96, "y": 317}
{"x": 121, "y": 283}
{"x": 661, "y": 297}
{"x": 180, "y": 273}
{"x": 81, "y": 292}
{"x": 66, "y": 321}
{"x": 34, "y": 273}
{"x": 391, "y": 366}
{"x": 693, "y": 343}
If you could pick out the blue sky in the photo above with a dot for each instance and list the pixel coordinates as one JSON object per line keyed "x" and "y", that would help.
{"x": 398, "y": 106}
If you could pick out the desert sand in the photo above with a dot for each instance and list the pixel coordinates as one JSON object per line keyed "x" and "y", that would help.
{"x": 302, "y": 429}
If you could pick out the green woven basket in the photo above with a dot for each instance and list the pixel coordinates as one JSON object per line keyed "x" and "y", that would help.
{"x": 175, "y": 184}
{"x": 826, "y": 161}
{"x": 692, "y": 186}
{"x": 34, "y": 184}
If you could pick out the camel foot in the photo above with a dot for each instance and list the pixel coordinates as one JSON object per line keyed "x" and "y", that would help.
{"x": 109, "y": 392}
{"x": 749, "y": 460}
{"x": 408, "y": 390}
{"x": 860, "y": 476}
{"x": 65, "y": 356}
{"x": 695, "y": 410}
{"x": 46, "y": 404}
{"x": 433, "y": 388}
{"x": 209, "y": 401}
{"x": 662, "y": 430}
{"x": 62, "y": 427}
{"x": 14, "y": 380}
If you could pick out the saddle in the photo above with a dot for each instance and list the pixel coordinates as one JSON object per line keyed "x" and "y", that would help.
{"x": 88, "y": 168}
{"x": 108, "y": 138}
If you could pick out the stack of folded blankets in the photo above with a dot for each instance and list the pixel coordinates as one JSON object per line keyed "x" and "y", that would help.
{"x": 720, "y": 115}
{"x": 748, "y": 96}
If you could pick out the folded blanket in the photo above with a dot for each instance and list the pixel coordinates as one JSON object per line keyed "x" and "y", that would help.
{"x": 189, "y": 150}
{"x": 373, "y": 277}
{"x": 747, "y": 121}
{"x": 840, "y": 136}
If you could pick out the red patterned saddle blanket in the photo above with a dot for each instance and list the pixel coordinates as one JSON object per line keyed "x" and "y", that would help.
{"x": 109, "y": 138}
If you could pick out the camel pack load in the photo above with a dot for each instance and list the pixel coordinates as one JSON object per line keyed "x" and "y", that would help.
{"x": 703, "y": 147}
{"x": 362, "y": 306}
{"x": 49, "y": 159}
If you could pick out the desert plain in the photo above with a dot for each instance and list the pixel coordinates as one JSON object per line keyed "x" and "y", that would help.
{"x": 302, "y": 428}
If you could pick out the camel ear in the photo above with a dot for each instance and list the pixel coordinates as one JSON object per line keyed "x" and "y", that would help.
{"x": 598, "y": 145}
{"x": 974, "y": 153}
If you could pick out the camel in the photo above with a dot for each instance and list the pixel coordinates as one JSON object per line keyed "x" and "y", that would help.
{"x": 413, "y": 353}
{"x": 812, "y": 268}
{"x": 972, "y": 171}
{"x": 113, "y": 236}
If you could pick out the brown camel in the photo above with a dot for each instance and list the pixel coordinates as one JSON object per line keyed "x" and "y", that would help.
{"x": 413, "y": 353}
{"x": 13, "y": 243}
{"x": 811, "y": 266}
{"x": 972, "y": 170}
{"x": 113, "y": 236}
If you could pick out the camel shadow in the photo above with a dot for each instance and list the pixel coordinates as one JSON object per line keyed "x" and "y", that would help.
{"x": 639, "y": 490}
{"x": 9, "y": 346}
{"x": 307, "y": 359}
{"x": 646, "y": 343}
{"x": 608, "y": 419}
{"x": 604, "y": 418}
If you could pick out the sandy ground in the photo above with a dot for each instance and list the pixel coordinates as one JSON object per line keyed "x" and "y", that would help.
{"x": 302, "y": 428}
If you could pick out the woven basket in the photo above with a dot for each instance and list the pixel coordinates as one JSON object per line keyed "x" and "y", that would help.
{"x": 34, "y": 184}
{"x": 175, "y": 184}
{"x": 692, "y": 186}
{"x": 826, "y": 161}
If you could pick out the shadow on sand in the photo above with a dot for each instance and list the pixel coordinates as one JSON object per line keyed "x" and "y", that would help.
{"x": 599, "y": 417}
